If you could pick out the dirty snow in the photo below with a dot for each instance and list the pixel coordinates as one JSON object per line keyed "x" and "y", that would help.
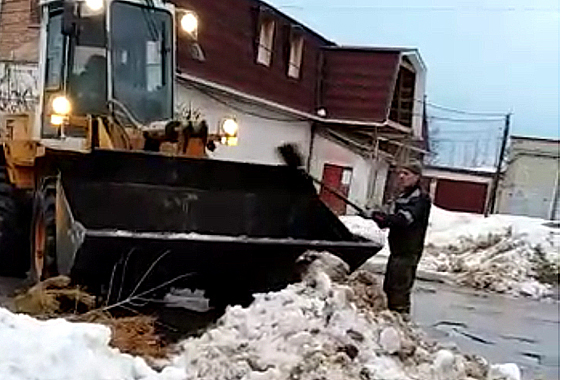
{"x": 309, "y": 330}
{"x": 500, "y": 253}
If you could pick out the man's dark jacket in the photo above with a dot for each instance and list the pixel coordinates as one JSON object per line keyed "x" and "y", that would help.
{"x": 408, "y": 223}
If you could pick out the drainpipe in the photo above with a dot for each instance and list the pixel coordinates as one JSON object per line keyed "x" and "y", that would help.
{"x": 318, "y": 103}
{"x": 374, "y": 153}
{"x": 311, "y": 147}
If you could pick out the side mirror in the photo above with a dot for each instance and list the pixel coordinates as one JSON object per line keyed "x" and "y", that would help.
{"x": 69, "y": 18}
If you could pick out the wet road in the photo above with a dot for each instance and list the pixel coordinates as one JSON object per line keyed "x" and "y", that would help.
{"x": 500, "y": 328}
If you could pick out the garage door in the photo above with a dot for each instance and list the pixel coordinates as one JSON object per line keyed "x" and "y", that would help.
{"x": 461, "y": 196}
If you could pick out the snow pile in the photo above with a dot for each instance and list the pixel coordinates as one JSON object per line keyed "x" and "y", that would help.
{"x": 309, "y": 330}
{"x": 502, "y": 253}
{"x": 314, "y": 330}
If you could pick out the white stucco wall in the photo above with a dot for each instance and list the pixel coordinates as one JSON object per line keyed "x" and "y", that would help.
{"x": 380, "y": 175}
{"x": 326, "y": 151}
{"x": 258, "y": 137}
{"x": 329, "y": 152}
{"x": 531, "y": 179}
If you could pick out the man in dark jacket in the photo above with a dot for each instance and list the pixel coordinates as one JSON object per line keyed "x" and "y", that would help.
{"x": 407, "y": 220}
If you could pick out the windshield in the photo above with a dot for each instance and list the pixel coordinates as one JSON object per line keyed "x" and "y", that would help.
{"x": 55, "y": 52}
{"x": 75, "y": 66}
{"x": 87, "y": 84}
{"x": 141, "y": 40}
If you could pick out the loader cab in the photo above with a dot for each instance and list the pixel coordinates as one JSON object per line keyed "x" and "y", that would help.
{"x": 101, "y": 57}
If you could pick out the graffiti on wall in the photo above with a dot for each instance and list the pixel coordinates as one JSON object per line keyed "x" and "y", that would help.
{"x": 18, "y": 87}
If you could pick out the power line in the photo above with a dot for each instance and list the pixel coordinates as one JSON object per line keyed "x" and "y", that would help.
{"x": 459, "y": 111}
{"x": 471, "y": 140}
{"x": 453, "y": 120}
{"x": 419, "y": 8}
{"x": 454, "y": 110}
{"x": 464, "y": 131}
{"x": 490, "y": 119}
{"x": 239, "y": 109}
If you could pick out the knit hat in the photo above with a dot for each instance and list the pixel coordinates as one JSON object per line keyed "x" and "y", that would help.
{"x": 414, "y": 167}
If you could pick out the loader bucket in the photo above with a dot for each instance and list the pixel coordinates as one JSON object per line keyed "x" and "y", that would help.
{"x": 135, "y": 221}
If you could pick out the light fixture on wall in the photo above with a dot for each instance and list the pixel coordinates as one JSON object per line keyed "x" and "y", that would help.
{"x": 189, "y": 23}
{"x": 229, "y": 131}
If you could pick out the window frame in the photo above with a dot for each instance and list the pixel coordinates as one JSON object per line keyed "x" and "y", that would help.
{"x": 266, "y": 41}
{"x": 295, "y": 55}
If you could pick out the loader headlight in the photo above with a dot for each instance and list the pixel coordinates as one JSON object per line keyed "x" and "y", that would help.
{"x": 189, "y": 23}
{"x": 61, "y": 105}
{"x": 94, "y": 5}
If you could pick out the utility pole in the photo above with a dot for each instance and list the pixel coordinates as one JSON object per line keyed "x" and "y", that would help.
{"x": 490, "y": 209}
{"x": 555, "y": 201}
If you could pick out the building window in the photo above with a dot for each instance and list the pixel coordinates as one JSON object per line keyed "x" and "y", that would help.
{"x": 265, "y": 47}
{"x": 295, "y": 59}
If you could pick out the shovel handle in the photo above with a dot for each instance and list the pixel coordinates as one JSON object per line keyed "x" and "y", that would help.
{"x": 337, "y": 194}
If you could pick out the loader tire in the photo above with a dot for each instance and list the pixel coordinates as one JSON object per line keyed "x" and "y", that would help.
{"x": 43, "y": 234}
{"x": 10, "y": 244}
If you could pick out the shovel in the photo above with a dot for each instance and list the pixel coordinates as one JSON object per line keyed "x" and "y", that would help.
{"x": 292, "y": 158}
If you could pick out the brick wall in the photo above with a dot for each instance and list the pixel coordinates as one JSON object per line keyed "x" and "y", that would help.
{"x": 18, "y": 27}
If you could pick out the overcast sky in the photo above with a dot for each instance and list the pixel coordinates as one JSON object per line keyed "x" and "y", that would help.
{"x": 482, "y": 55}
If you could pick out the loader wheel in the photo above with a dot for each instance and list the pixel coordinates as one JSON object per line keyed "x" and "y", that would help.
{"x": 43, "y": 234}
{"x": 9, "y": 230}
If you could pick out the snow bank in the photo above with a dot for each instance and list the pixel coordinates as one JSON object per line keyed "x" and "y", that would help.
{"x": 59, "y": 350}
{"x": 502, "y": 253}
{"x": 310, "y": 330}
{"x": 314, "y": 330}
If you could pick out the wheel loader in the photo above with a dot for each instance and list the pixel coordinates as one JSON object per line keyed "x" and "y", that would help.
{"x": 121, "y": 196}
